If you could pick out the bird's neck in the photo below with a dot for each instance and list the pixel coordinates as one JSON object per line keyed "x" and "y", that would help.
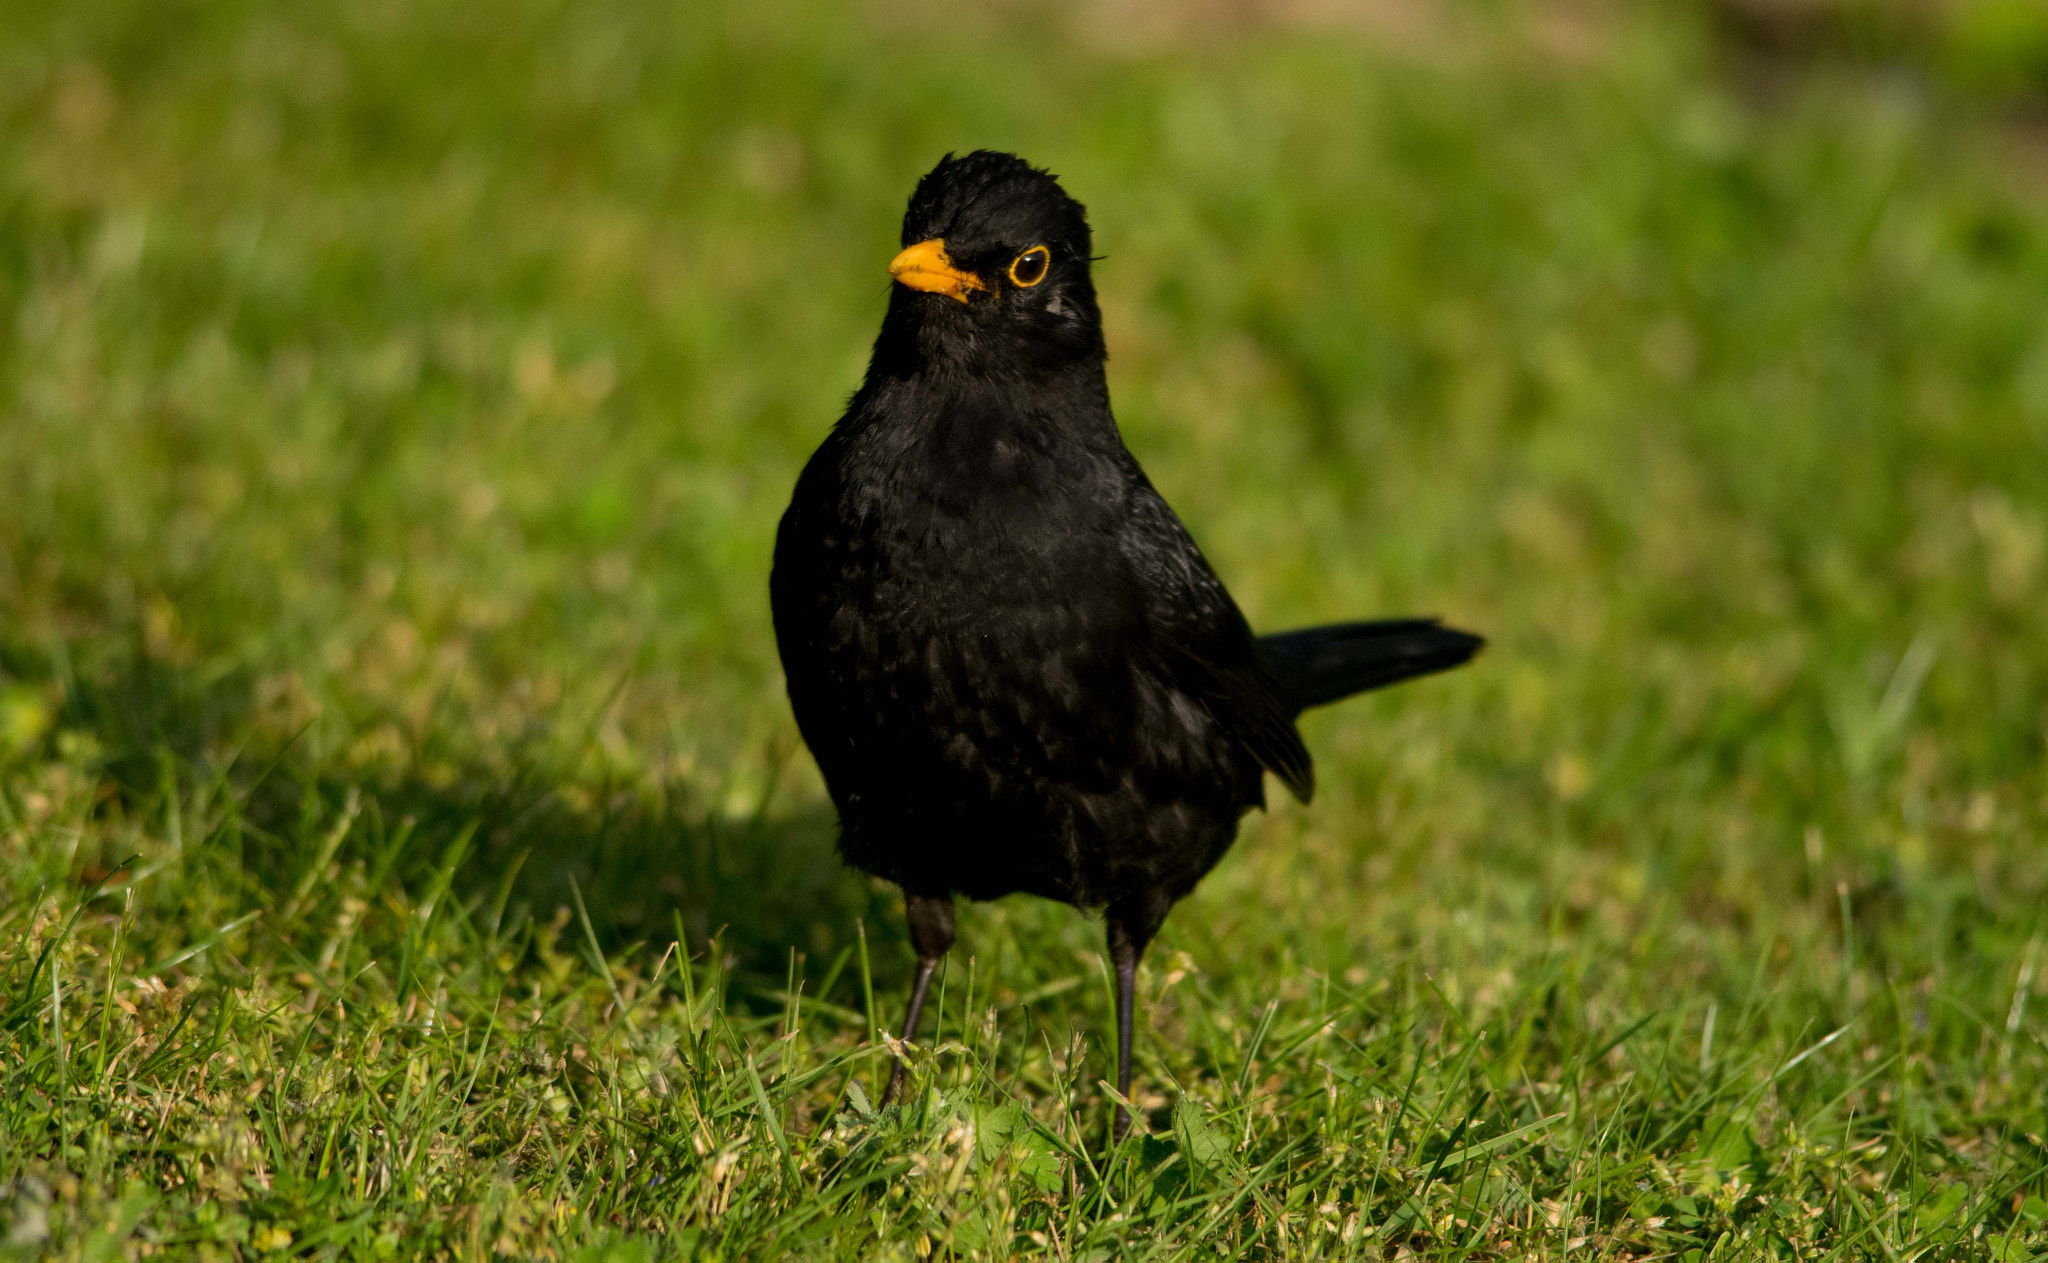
{"x": 1043, "y": 405}
{"x": 977, "y": 447}
{"x": 935, "y": 340}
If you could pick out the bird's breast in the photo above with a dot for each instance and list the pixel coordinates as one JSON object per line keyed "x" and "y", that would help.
{"x": 968, "y": 579}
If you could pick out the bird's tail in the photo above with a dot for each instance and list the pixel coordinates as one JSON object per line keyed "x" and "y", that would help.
{"x": 1319, "y": 665}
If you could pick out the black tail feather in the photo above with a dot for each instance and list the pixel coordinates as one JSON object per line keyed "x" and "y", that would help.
{"x": 1320, "y": 665}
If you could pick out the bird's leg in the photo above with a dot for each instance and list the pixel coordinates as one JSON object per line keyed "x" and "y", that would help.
{"x": 931, "y": 933}
{"x": 1127, "y": 939}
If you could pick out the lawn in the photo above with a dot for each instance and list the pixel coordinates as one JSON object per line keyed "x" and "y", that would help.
{"x": 405, "y": 847}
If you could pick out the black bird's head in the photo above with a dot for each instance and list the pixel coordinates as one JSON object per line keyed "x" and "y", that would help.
{"x": 993, "y": 276}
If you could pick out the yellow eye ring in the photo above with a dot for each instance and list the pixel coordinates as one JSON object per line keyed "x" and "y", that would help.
{"x": 1030, "y": 267}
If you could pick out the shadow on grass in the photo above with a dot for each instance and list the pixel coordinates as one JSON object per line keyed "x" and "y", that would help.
{"x": 520, "y": 832}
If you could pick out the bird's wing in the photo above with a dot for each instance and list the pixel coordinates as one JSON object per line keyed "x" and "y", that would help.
{"x": 814, "y": 555}
{"x": 1199, "y": 641}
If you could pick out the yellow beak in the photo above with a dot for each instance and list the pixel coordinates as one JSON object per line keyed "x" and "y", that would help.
{"x": 925, "y": 266}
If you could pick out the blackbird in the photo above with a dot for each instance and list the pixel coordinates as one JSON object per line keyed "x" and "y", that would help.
{"x": 1013, "y": 666}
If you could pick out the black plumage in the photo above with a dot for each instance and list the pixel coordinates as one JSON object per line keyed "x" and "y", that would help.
{"x": 1013, "y": 666}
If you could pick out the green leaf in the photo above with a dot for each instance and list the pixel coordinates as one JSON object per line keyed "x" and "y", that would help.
{"x": 970, "y": 1232}
{"x": 1940, "y": 1208}
{"x": 1201, "y": 1145}
{"x": 1724, "y": 1147}
{"x": 996, "y": 1128}
{"x": 857, "y": 1099}
{"x": 1041, "y": 1166}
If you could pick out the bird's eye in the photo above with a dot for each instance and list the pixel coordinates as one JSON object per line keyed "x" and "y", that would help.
{"x": 1028, "y": 268}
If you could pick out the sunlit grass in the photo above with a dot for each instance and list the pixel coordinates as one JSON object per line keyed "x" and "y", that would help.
{"x": 404, "y": 845}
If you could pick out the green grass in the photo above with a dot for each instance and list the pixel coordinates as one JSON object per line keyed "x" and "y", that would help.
{"x": 396, "y": 403}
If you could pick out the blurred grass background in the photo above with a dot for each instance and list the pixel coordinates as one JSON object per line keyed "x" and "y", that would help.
{"x": 397, "y": 401}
